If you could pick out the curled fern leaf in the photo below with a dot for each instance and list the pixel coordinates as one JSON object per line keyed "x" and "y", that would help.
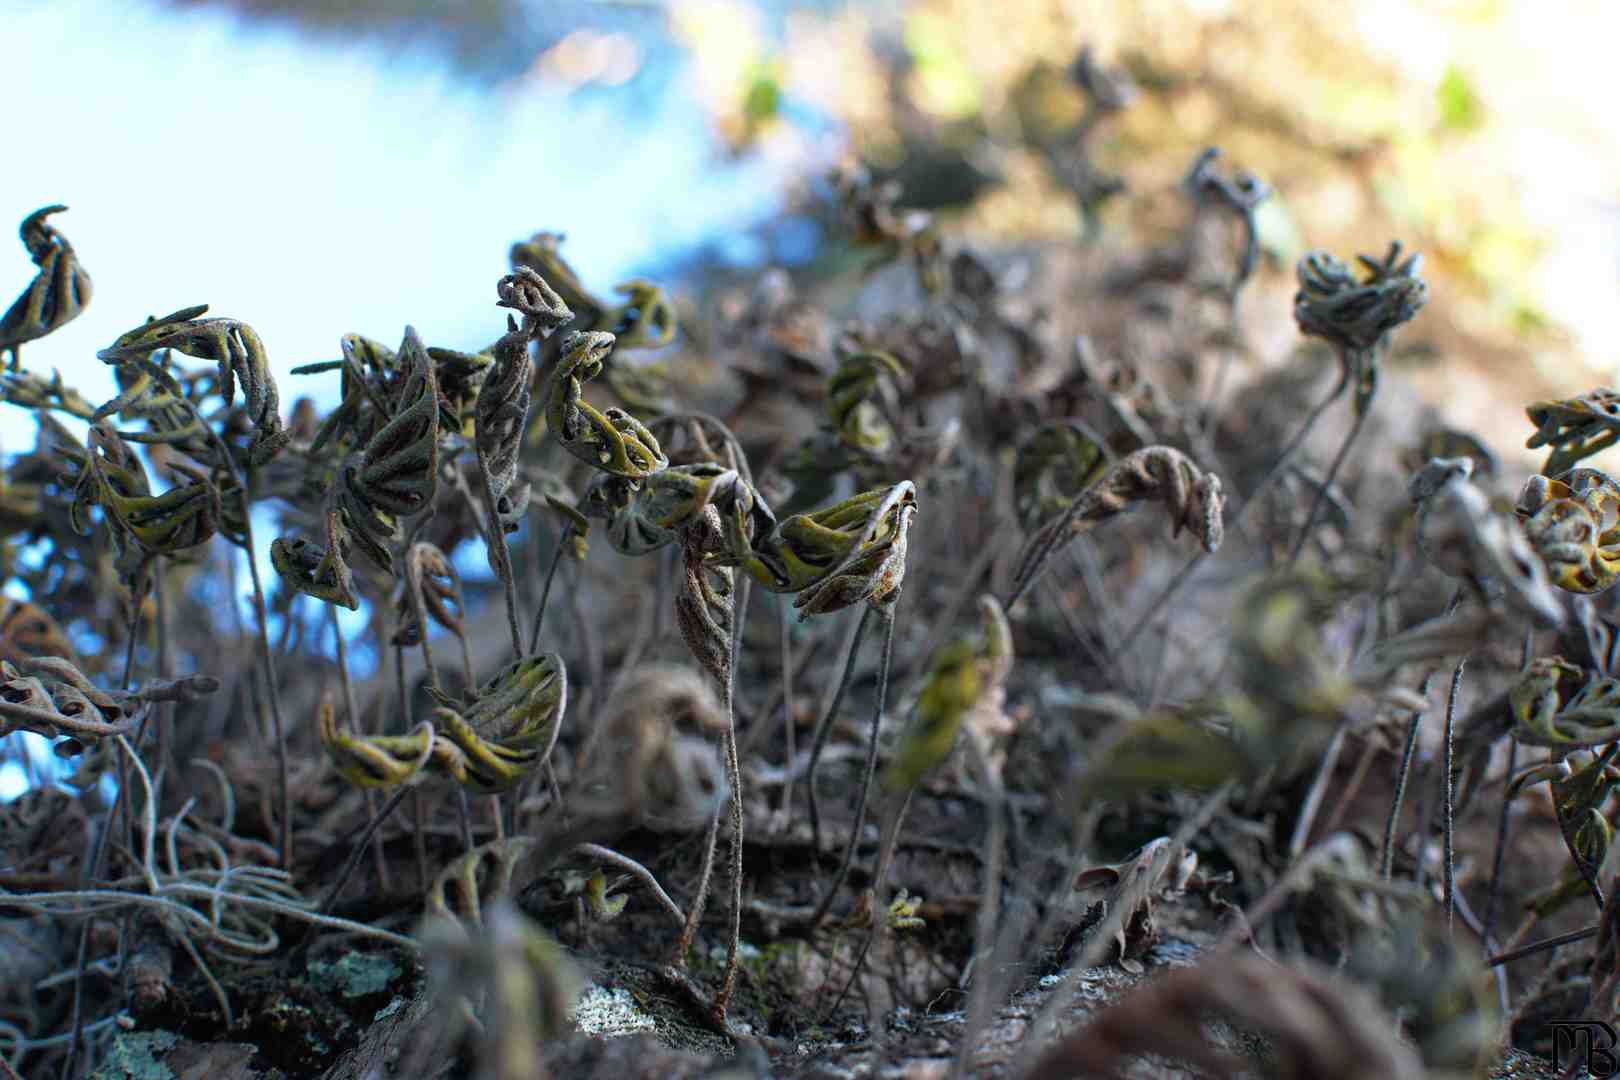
{"x": 522, "y": 707}
{"x": 705, "y": 600}
{"x": 58, "y": 293}
{"x": 1554, "y": 705}
{"x": 234, "y": 346}
{"x": 861, "y": 397}
{"x": 320, "y": 572}
{"x": 1573, "y": 523}
{"x": 502, "y": 412}
{"x": 374, "y": 760}
{"x": 611, "y": 440}
{"x": 1058, "y": 462}
{"x": 399, "y": 468}
{"x": 1575, "y": 428}
{"x": 1193, "y": 499}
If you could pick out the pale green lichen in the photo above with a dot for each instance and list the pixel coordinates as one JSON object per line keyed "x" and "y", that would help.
{"x": 354, "y": 974}
{"x": 612, "y": 1013}
{"x": 134, "y": 1056}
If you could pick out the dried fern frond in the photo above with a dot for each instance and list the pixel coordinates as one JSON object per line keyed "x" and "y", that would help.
{"x": 1575, "y": 428}
{"x": 965, "y": 687}
{"x": 374, "y": 760}
{"x": 1358, "y": 315}
{"x": 500, "y": 417}
{"x": 1055, "y": 465}
{"x": 1559, "y": 705}
{"x": 706, "y": 596}
{"x": 1461, "y": 534}
{"x": 612, "y": 440}
{"x": 321, "y": 572}
{"x": 57, "y": 295}
{"x": 399, "y": 468}
{"x": 1193, "y": 499}
{"x": 1573, "y": 523}
{"x": 1317, "y": 1026}
{"x": 51, "y": 697}
{"x": 234, "y": 346}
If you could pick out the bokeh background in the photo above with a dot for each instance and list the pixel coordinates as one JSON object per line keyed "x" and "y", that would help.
{"x": 316, "y": 167}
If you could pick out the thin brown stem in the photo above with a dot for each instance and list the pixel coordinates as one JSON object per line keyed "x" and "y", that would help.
{"x": 886, "y": 613}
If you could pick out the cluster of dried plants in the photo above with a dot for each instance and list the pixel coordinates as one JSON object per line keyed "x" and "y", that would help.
{"x": 1055, "y": 680}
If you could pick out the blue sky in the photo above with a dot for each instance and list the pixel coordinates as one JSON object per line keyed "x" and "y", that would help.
{"x": 311, "y": 190}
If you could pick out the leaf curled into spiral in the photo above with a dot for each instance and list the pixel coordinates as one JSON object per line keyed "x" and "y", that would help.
{"x": 610, "y": 440}
{"x": 59, "y": 292}
{"x": 1555, "y": 704}
{"x": 1058, "y": 462}
{"x": 501, "y": 414}
{"x": 705, "y": 599}
{"x": 432, "y": 590}
{"x": 1193, "y": 499}
{"x": 319, "y": 572}
{"x": 399, "y": 469}
{"x": 526, "y": 292}
{"x": 1573, "y": 523}
{"x": 234, "y": 346}
{"x": 1575, "y": 428}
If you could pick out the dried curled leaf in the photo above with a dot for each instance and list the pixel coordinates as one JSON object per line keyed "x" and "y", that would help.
{"x": 698, "y": 438}
{"x": 432, "y": 590}
{"x": 647, "y": 766}
{"x": 58, "y": 293}
{"x": 1358, "y": 315}
{"x": 1461, "y": 534}
{"x": 500, "y": 417}
{"x": 1573, "y": 523}
{"x": 50, "y": 696}
{"x": 612, "y": 440}
{"x": 646, "y": 319}
{"x": 529, "y": 294}
{"x": 647, "y": 515}
{"x": 27, "y": 630}
{"x": 1556, "y": 704}
{"x": 847, "y": 553}
{"x": 471, "y": 883}
{"x": 1315, "y": 1024}
{"x": 374, "y": 760}
{"x": 1155, "y": 869}
{"x": 522, "y": 707}
{"x": 319, "y": 572}
{"x": 399, "y": 468}
{"x": 965, "y": 687}
{"x": 1192, "y": 498}
{"x": 705, "y": 600}
{"x": 1058, "y": 462}
{"x": 1575, "y": 428}
{"x": 234, "y": 346}
{"x": 183, "y": 517}
{"x": 1581, "y": 783}
{"x": 861, "y": 397}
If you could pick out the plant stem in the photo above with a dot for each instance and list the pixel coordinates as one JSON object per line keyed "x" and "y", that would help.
{"x": 1238, "y": 515}
{"x": 1446, "y": 792}
{"x": 886, "y": 613}
{"x": 824, "y": 728}
{"x": 728, "y": 981}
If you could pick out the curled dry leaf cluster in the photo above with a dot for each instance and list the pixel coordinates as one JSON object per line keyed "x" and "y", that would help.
{"x": 908, "y": 467}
